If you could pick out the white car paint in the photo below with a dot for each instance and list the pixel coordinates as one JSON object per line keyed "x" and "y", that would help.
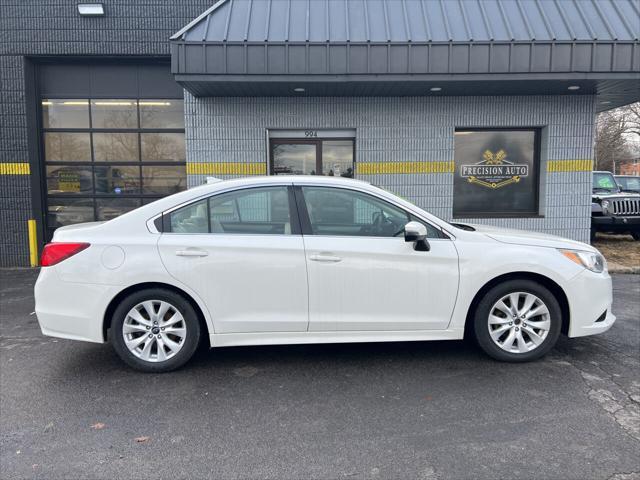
{"x": 269, "y": 289}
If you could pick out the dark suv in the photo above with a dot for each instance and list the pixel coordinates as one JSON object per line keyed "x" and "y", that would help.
{"x": 613, "y": 211}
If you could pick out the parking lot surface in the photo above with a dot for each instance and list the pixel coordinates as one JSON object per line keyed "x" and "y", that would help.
{"x": 437, "y": 410}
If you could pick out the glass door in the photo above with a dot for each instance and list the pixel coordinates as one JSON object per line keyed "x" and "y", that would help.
{"x": 331, "y": 157}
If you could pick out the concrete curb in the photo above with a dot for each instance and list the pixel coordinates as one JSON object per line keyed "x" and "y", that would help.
{"x": 618, "y": 268}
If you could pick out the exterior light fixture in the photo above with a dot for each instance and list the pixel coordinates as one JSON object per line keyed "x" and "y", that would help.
{"x": 573, "y": 87}
{"x": 299, "y": 89}
{"x": 435, "y": 89}
{"x": 91, "y": 9}
{"x": 605, "y": 102}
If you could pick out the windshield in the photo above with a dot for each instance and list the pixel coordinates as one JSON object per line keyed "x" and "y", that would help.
{"x": 629, "y": 183}
{"x": 604, "y": 182}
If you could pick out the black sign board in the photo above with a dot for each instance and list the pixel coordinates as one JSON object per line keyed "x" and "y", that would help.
{"x": 496, "y": 173}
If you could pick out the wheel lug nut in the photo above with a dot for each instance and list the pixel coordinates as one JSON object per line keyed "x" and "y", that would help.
{"x": 510, "y": 323}
{"x": 162, "y": 328}
{"x": 158, "y": 336}
{"x": 151, "y": 335}
{"x": 155, "y": 323}
{"x": 517, "y": 329}
{"x": 148, "y": 328}
{"x": 524, "y": 324}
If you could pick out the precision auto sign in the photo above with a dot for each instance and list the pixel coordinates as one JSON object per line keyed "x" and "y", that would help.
{"x": 494, "y": 171}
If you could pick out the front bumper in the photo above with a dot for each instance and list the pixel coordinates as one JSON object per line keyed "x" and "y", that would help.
{"x": 610, "y": 223}
{"x": 71, "y": 310}
{"x": 590, "y": 295}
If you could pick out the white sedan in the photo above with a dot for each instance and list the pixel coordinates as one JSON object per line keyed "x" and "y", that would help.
{"x": 291, "y": 260}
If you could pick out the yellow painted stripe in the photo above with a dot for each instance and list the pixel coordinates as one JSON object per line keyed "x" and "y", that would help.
{"x": 226, "y": 168}
{"x": 377, "y": 168}
{"x": 577, "y": 165}
{"x": 14, "y": 169}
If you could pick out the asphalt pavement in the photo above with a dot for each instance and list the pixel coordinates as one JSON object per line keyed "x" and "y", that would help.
{"x": 427, "y": 410}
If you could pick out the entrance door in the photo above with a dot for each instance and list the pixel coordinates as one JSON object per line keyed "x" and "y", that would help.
{"x": 325, "y": 156}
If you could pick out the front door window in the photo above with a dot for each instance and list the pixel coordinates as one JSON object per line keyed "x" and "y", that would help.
{"x": 330, "y": 157}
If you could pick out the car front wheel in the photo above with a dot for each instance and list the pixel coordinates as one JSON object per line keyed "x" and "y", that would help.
{"x": 155, "y": 330}
{"x": 517, "y": 321}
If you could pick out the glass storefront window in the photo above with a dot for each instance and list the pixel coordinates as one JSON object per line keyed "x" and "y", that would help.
{"x": 293, "y": 159}
{"x": 93, "y": 150}
{"x": 331, "y": 157}
{"x": 114, "y": 113}
{"x": 163, "y": 180}
{"x": 108, "y": 208}
{"x": 63, "y": 113}
{"x": 163, "y": 147}
{"x": 67, "y": 211}
{"x": 496, "y": 173}
{"x": 117, "y": 179}
{"x": 115, "y": 147}
{"x": 69, "y": 179}
{"x": 67, "y": 147}
{"x": 161, "y": 113}
{"x": 337, "y": 158}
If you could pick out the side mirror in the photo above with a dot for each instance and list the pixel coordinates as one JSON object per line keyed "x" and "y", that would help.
{"x": 417, "y": 233}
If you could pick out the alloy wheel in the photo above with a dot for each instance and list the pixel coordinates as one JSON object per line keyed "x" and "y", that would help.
{"x": 519, "y": 322}
{"x": 154, "y": 330}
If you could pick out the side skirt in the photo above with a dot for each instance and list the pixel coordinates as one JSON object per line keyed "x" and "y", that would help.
{"x": 296, "y": 338}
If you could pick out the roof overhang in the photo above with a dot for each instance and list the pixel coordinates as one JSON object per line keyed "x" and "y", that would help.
{"x": 271, "y": 48}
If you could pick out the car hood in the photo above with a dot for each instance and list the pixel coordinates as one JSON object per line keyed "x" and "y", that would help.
{"x": 609, "y": 196}
{"x": 523, "y": 237}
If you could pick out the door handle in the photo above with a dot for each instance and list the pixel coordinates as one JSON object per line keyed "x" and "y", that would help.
{"x": 325, "y": 258}
{"x": 191, "y": 252}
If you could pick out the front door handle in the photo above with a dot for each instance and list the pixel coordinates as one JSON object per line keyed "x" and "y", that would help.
{"x": 325, "y": 258}
{"x": 191, "y": 252}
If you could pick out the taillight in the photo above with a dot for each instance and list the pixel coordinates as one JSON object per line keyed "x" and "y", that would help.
{"x": 57, "y": 251}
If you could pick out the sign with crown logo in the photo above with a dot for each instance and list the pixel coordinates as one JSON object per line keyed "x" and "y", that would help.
{"x": 494, "y": 170}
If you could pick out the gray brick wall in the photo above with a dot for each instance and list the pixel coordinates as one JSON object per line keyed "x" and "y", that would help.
{"x": 38, "y": 27}
{"x": 393, "y": 129}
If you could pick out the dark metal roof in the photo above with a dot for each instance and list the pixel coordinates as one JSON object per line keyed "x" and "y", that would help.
{"x": 414, "y": 21}
{"x": 262, "y": 47}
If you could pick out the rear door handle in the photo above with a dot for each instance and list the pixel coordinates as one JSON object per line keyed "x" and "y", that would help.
{"x": 191, "y": 252}
{"x": 325, "y": 258}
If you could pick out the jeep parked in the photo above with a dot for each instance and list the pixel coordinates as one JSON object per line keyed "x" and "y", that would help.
{"x": 612, "y": 210}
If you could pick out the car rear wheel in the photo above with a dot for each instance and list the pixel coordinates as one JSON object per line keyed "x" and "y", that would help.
{"x": 517, "y": 321}
{"x": 155, "y": 330}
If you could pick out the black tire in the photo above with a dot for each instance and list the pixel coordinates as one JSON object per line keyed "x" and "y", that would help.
{"x": 636, "y": 235}
{"x": 191, "y": 340}
{"x": 481, "y": 320}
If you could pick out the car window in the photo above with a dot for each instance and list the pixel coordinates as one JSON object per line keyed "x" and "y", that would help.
{"x": 262, "y": 211}
{"x": 629, "y": 183}
{"x": 604, "y": 181}
{"x": 190, "y": 219}
{"x": 251, "y": 211}
{"x": 342, "y": 212}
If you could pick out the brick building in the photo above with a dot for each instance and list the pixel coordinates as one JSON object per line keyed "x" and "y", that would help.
{"x": 481, "y": 110}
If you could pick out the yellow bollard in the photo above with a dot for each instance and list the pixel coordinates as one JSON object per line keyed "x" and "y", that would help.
{"x": 33, "y": 243}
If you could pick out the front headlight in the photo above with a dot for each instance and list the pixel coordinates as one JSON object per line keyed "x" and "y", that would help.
{"x": 590, "y": 260}
{"x": 605, "y": 204}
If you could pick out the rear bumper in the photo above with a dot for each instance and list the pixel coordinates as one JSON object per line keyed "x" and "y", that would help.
{"x": 590, "y": 295}
{"x": 71, "y": 310}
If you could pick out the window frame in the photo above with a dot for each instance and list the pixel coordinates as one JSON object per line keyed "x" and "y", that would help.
{"x": 305, "y": 219}
{"x": 163, "y": 222}
{"x": 93, "y": 196}
{"x": 317, "y": 141}
{"x": 537, "y": 168}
